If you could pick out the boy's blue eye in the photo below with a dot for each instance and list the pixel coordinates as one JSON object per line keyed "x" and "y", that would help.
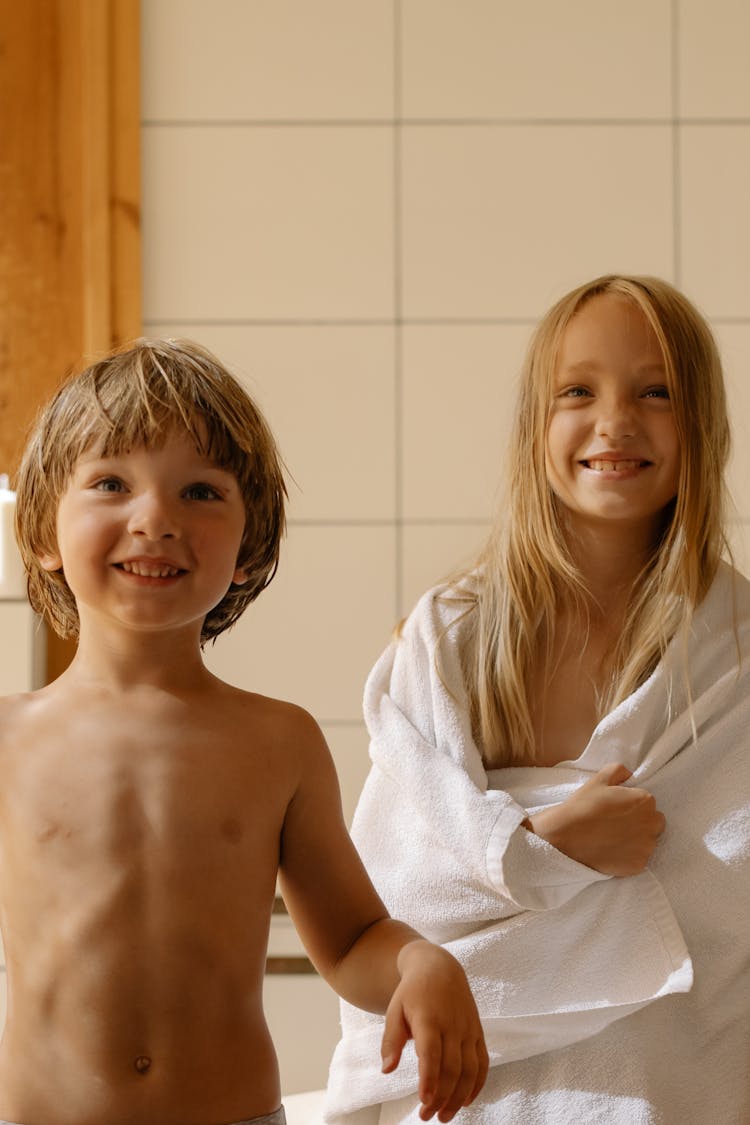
{"x": 201, "y": 492}
{"x": 109, "y": 484}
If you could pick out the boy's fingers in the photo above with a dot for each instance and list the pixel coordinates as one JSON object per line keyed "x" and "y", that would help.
{"x": 483, "y": 1060}
{"x": 463, "y": 1084}
{"x": 395, "y": 1035}
{"x": 449, "y": 1071}
{"x": 429, "y": 1047}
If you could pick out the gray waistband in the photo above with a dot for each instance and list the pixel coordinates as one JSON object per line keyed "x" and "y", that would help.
{"x": 276, "y": 1118}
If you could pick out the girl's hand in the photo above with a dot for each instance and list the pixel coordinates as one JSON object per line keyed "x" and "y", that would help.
{"x": 433, "y": 1005}
{"x": 605, "y": 825}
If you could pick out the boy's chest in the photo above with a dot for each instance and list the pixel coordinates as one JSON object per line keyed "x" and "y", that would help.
{"x": 187, "y": 798}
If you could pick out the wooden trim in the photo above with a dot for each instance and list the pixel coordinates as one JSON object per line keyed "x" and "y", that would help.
{"x": 289, "y": 966}
{"x": 294, "y": 965}
{"x": 38, "y": 268}
{"x": 99, "y": 127}
{"x": 70, "y": 268}
{"x": 95, "y": 94}
{"x": 70, "y": 260}
{"x": 126, "y": 306}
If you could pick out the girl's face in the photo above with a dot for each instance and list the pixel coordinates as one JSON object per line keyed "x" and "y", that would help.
{"x": 613, "y": 454}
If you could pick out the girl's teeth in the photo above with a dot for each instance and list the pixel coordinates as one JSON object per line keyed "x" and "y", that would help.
{"x": 613, "y": 466}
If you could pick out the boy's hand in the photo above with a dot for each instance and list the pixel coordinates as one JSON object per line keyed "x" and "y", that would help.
{"x": 605, "y": 825}
{"x": 433, "y": 1006}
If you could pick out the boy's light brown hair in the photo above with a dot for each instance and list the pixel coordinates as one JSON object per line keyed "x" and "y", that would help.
{"x": 133, "y": 398}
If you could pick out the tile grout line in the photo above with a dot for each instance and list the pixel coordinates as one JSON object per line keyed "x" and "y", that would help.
{"x": 414, "y": 521}
{"x": 398, "y": 387}
{"x": 403, "y": 322}
{"x": 357, "y": 724}
{"x": 330, "y": 322}
{"x": 437, "y": 122}
{"x": 676, "y": 147}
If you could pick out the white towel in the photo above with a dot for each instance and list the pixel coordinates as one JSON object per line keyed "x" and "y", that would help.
{"x": 556, "y": 952}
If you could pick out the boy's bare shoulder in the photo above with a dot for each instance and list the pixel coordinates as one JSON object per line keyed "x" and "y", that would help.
{"x": 287, "y": 734}
{"x": 286, "y": 723}
{"x": 15, "y": 707}
{"x": 15, "y": 712}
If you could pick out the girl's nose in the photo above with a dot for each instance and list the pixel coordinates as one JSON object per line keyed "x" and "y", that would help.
{"x": 153, "y": 517}
{"x": 616, "y": 419}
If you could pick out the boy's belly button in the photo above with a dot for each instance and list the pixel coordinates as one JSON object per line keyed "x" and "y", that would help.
{"x": 142, "y": 1064}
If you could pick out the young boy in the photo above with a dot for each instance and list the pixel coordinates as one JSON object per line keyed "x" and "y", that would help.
{"x": 146, "y": 807}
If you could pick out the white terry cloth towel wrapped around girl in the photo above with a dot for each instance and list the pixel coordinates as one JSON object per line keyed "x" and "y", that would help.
{"x": 557, "y": 952}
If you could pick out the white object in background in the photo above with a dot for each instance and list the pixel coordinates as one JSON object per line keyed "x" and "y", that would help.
{"x": 12, "y": 574}
{"x": 23, "y": 648}
{"x": 293, "y": 1003}
{"x": 304, "y": 1109}
{"x": 3, "y": 987}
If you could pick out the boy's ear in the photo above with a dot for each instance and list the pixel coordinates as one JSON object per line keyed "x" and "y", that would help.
{"x": 50, "y": 561}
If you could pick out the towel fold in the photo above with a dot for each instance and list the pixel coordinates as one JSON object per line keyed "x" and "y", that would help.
{"x": 556, "y": 952}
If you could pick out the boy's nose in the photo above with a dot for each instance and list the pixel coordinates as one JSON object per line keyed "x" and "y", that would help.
{"x": 152, "y": 517}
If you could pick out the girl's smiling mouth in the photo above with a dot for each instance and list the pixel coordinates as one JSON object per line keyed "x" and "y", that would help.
{"x": 610, "y": 465}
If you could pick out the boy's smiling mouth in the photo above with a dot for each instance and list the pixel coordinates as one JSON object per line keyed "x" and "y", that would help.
{"x": 150, "y": 568}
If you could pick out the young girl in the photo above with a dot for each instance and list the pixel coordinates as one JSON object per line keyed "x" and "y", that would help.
{"x": 534, "y": 712}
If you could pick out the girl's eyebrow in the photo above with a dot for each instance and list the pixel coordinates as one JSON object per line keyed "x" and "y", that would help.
{"x": 578, "y": 370}
{"x": 591, "y": 367}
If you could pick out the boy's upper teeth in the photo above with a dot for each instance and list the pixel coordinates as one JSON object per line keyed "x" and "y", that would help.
{"x": 613, "y": 466}
{"x": 146, "y": 570}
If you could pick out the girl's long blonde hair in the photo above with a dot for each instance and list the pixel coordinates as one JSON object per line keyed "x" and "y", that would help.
{"x": 526, "y": 572}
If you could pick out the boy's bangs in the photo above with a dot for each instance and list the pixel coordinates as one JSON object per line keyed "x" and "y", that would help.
{"x": 133, "y": 413}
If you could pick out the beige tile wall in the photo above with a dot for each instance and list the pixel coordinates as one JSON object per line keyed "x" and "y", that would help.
{"x": 363, "y": 206}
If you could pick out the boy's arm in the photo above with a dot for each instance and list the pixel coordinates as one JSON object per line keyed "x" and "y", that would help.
{"x": 374, "y": 961}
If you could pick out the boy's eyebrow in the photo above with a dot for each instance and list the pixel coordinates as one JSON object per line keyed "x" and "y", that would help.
{"x": 201, "y": 464}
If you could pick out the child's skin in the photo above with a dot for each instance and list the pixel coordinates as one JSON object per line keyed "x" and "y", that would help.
{"x": 145, "y": 807}
{"x": 613, "y": 460}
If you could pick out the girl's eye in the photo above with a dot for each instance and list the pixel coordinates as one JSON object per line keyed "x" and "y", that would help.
{"x": 201, "y": 492}
{"x": 657, "y": 392}
{"x": 575, "y": 392}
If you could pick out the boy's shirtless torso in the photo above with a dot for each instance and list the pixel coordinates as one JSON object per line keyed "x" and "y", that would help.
{"x": 134, "y": 870}
{"x": 147, "y": 808}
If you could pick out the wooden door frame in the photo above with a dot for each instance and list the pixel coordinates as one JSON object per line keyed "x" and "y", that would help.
{"x": 70, "y": 243}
